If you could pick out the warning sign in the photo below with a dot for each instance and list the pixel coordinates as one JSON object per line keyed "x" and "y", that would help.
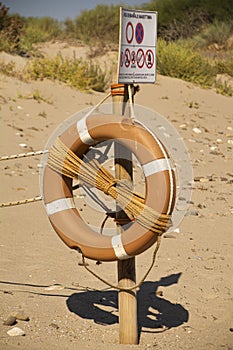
{"x": 127, "y": 58}
{"x": 140, "y": 58}
{"x": 139, "y": 33}
{"x": 149, "y": 58}
{"x": 137, "y": 51}
{"x": 129, "y": 32}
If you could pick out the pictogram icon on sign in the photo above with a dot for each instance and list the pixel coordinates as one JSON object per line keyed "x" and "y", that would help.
{"x": 133, "y": 57}
{"x": 149, "y": 58}
{"x": 140, "y": 58}
{"x": 127, "y": 58}
{"x": 129, "y": 32}
{"x": 139, "y": 33}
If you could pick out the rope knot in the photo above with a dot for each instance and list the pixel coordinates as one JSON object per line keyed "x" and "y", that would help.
{"x": 107, "y": 187}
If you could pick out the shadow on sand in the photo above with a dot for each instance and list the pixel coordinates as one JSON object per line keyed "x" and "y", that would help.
{"x": 153, "y": 311}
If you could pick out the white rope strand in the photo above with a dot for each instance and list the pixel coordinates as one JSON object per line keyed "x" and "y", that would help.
{"x": 132, "y": 115}
{"x": 23, "y": 155}
{"x": 23, "y": 201}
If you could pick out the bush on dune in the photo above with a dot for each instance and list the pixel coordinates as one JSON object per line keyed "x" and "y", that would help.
{"x": 11, "y": 30}
{"x": 39, "y": 30}
{"x": 181, "y": 61}
{"x": 185, "y": 18}
{"x": 72, "y": 71}
{"x": 99, "y": 25}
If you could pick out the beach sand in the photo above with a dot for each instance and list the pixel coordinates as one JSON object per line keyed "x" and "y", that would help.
{"x": 186, "y": 301}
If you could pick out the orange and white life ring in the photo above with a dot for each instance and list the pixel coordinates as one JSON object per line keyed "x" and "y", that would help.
{"x": 159, "y": 178}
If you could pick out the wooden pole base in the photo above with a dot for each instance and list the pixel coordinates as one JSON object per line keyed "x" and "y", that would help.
{"x": 127, "y": 300}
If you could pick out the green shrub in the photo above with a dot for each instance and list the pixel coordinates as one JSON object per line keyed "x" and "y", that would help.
{"x": 11, "y": 30}
{"x": 72, "y": 71}
{"x": 42, "y": 29}
{"x": 183, "y": 18}
{"x": 70, "y": 30}
{"x": 225, "y": 66}
{"x": 8, "y": 69}
{"x": 38, "y": 30}
{"x": 98, "y": 25}
{"x": 223, "y": 88}
{"x": 181, "y": 61}
{"x": 214, "y": 33}
{"x": 18, "y": 34}
{"x": 5, "y": 44}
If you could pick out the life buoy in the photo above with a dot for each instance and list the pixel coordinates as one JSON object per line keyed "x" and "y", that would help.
{"x": 159, "y": 178}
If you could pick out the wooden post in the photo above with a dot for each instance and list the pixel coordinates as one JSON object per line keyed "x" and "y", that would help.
{"x": 127, "y": 300}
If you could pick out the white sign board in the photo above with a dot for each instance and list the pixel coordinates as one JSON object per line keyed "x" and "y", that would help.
{"x": 137, "y": 48}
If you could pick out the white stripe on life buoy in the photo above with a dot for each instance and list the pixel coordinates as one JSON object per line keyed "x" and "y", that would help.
{"x": 172, "y": 183}
{"x": 156, "y": 166}
{"x": 119, "y": 248}
{"x": 59, "y": 205}
{"x": 84, "y": 133}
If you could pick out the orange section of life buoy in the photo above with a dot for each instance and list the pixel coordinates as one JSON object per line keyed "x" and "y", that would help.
{"x": 160, "y": 187}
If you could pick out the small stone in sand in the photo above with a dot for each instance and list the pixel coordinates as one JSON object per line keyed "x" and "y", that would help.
{"x": 10, "y": 321}
{"x": 23, "y": 145}
{"x": 167, "y": 235}
{"x": 16, "y": 331}
{"x": 20, "y": 315}
{"x": 197, "y": 131}
{"x": 55, "y": 287}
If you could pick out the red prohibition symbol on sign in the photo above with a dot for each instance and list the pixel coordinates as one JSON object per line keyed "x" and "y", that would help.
{"x": 149, "y": 58}
{"x": 140, "y": 58}
{"x": 127, "y": 58}
{"x": 129, "y": 32}
{"x": 139, "y": 33}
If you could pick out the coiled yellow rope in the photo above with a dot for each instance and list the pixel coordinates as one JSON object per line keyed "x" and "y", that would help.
{"x": 62, "y": 160}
